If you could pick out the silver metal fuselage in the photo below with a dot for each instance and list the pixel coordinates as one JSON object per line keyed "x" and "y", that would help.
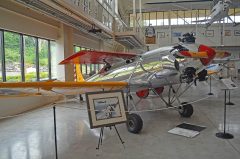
{"x": 156, "y": 68}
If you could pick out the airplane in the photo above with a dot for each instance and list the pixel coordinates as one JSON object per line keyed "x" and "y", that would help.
{"x": 218, "y": 13}
{"x": 153, "y": 70}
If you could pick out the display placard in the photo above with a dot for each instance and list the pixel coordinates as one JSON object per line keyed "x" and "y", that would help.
{"x": 229, "y": 84}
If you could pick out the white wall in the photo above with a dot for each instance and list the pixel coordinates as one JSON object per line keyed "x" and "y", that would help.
{"x": 16, "y": 105}
{"x": 13, "y": 21}
{"x": 86, "y": 41}
{"x": 218, "y": 38}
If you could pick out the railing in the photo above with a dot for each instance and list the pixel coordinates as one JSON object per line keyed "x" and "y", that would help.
{"x": 96, "y": 10}
{"x": 107, "y": 17}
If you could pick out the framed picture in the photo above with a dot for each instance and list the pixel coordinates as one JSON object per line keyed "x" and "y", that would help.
{"x": 227, "y": 33}
{"x": 106, "y": 108}
{"x": 209, "y": 33}
{"x": 160, "y": 35}
{"x": 237, "y": 32}
{"x": 177, "y": 34}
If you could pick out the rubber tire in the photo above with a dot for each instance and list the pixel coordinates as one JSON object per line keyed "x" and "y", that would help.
{"x": 187, "y": 110}
{"x": 134, "y": 123}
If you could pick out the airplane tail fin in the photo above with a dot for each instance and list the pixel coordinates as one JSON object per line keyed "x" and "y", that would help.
{"x": 78, "y": 73}
{"x": 210, "y": 54}
{"x": 205, "y": 54}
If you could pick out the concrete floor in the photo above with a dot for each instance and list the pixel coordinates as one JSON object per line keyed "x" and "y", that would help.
{"x": 32, "y": 137}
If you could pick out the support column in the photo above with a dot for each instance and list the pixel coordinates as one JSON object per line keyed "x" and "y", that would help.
{"x": 65, "y": 49}
{"x": 140, "y": 11}
{"x": 134, "y": 15}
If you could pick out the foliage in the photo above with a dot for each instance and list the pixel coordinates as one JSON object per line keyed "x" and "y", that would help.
{"x": 13, "y": 59}
{"x": 12, "y": 49}
{"x": 29, "y": 77}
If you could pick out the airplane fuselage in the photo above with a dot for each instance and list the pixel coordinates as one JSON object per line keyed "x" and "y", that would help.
{"x": 155, "y": 68}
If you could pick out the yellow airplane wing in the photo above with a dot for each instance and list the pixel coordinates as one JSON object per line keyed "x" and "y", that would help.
{"x": 66, "y": 87}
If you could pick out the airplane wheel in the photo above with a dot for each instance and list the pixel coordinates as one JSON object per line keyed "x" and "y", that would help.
{"x": 134, "y": 123}
{"x": 186, "y": 110}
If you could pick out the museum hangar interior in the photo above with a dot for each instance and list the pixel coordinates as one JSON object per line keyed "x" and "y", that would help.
{"x": 119, "y": 79}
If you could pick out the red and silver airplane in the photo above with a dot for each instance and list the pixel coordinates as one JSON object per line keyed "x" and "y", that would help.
{"x": 185, "y": 62}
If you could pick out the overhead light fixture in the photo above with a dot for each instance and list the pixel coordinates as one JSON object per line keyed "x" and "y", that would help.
{"x": 94, "y": 30}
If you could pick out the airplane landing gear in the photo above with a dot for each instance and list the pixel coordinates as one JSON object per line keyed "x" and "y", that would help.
{"x": 186, "y": 110}
{"x": 134, "y": 123}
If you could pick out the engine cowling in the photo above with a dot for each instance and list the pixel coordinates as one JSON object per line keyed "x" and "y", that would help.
{"x": 188, "y": 75}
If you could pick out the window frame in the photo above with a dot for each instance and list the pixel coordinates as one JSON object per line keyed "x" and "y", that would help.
{"x": 22, "y": 51}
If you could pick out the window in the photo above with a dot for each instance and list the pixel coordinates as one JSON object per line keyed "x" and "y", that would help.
{"x": 188, "y": 17}
{"x": 153, "y": 18}
{"x": 25, "y": 58}
{"x": 160, "y": 19}
{"x": 237, "y": 15}
{"x": 30, "y": 58}
{"x": 131, "y": 20}
{"x": 174, "y": 20}
{"x": 88, "y": 69}
{"x": 166, "y": 18}
{"x": 12, "y": 56}
{"x": 77, "y": 49}
{"x": 145, "y": 19}
{"x": 54, "y": 62}
{"x": 208, "y": 12}
{"x": 1, "y": 53}
{"x": 201, "y": 14}
{"x": 194, "y": 16}
{"x": 180, "y": 15}
{"x": 85, "y": 6}
{"x": 43, "y": 59}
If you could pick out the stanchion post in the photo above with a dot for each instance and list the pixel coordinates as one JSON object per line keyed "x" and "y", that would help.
{"x": 229, "y": 101}
{"x": 55, "y": 131}
{"x": 210, "y": 93}
{"x": 224, "y": 135}
{"x": 225, "y": 110}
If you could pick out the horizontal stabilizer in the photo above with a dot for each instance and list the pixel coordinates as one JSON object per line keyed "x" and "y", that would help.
{"x": 222, "y": 54}
{"x": 194, "y": 54}
{"x": 225, "y": 60}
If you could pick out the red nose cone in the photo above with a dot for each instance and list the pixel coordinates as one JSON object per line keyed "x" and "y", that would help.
{"x": 210, "y": 52}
